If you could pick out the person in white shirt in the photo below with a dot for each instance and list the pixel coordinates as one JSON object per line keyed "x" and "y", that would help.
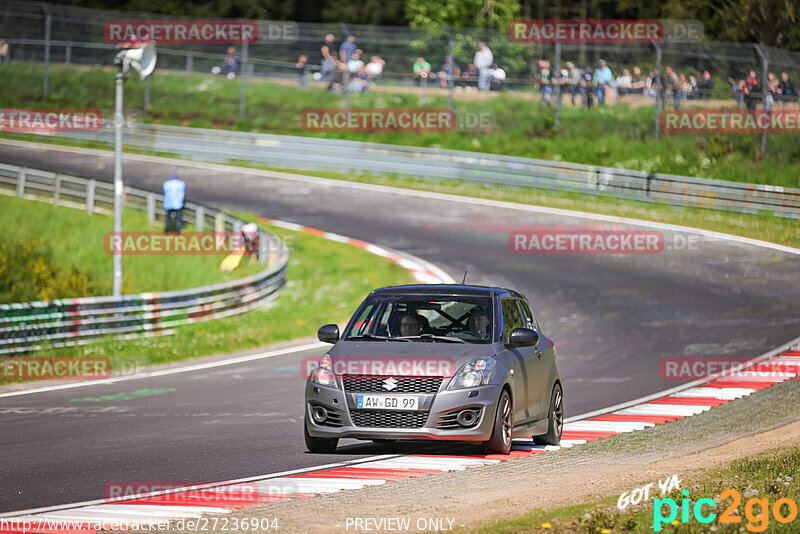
{"x": 355, "y": 62}
{"x": 483, "y": 61}
{"x": 498, "y": 77}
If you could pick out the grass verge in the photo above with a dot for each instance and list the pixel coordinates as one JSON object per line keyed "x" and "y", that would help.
{"x": 615, "y": 136}
{"x": 759, "y": 482}
{"x": 74, "y": 241}
{"x": 326, "y": 281}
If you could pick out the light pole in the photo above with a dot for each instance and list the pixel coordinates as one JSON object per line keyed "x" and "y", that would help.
{"x": 142, "y": 58}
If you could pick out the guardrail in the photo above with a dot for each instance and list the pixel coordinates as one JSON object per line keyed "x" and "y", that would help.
{"x": 65, "y": 322}
{"x": 310, "y": 153}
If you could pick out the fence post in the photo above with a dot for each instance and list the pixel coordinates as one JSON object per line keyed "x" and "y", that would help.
{"x": 243, "y": 83}
{"x": 657, "y": 81}
{"x": 189, "y": 66}
{"x": 764, "y": 94}
{"x": 67, "y": 56}
{"x": 199, "y": 218}
{"x": 90, "y": 188}
{"x": 147, "y": 93}
{"x": 151, "y": 208}
{"x": 263, "y": 247}
{"x": 557, "y": 89}
{"x": 21, "y": 182}
{"x": 451, "y": 47}
{"x": 219, "y": 222}
{"x": 56, "y": 188}
{"x": 237, "y": 227}
{"x": 346, "y": 87}
{"x": 48, "y": 22}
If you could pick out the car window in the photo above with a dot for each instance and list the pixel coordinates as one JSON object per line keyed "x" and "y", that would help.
{"x": 512, "y": 318}
{"x": 528, "y": 314}
{"x": 382, "y": 316}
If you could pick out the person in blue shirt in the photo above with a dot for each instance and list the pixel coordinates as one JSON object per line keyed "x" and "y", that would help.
{"x": 601, "y": 79}
{"x": 174, "y": 196}
{"x": 347, "y": 49}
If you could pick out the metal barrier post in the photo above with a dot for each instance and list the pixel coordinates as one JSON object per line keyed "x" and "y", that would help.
{"x": 21, "y": 182}
{"x": 90, "y": 188}
{"x": 199, "y": 218}
{"x": 219, "y": 222}
{"x": 189, "y": 66}
{"x": 147, "y": 93}
{"x": 150, "y": 200}
{"x": 263, "y": 247}
{"x": 67, "y": 56}
{"x": 56, "y": 188}
{"x": 451, "y": 75}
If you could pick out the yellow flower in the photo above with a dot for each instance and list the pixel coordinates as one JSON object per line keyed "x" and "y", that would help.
{"x": 546, "y": 525}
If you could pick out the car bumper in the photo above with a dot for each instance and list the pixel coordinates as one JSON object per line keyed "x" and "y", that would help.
{"x": 437, "y": 407}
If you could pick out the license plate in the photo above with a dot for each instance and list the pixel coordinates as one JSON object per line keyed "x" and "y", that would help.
{"x": 387, "y": 402}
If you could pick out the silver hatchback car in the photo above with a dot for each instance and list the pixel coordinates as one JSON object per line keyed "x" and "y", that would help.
{"x": 436, "y": 362}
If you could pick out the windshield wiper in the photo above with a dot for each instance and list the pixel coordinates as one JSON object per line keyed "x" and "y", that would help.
{"x": 435, "y": 338}
{"x": 379, "y": 338}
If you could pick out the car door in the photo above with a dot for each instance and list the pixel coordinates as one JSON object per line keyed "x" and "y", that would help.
{"x": 541, "y": 360}
{"x": 519, "y": 359}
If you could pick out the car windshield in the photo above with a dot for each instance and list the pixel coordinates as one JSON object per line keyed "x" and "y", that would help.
{"x": 424, "y": 318}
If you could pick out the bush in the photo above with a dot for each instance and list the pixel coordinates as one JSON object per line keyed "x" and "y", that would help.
{"x": 29, "y": 273}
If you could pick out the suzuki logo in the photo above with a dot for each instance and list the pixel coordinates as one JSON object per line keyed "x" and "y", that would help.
{"x": 389, "y": 384}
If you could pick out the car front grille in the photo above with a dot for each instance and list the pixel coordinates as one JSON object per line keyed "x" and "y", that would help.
{"x": 386, "y": 419}
{"x": 375, "y": 384}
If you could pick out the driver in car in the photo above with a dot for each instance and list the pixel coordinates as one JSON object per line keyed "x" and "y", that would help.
{"x": 478, "y": 321}
{"x": 411, "y": 324}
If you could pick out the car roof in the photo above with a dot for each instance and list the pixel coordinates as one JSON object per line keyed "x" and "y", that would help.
{"x": 445, "y": 289}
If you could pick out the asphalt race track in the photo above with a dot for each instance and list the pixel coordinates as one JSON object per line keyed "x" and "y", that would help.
{"x": 613, "y": 319}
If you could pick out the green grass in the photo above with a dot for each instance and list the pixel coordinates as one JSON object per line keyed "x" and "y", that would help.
{"x": 326, "y": 281}
{"x": 76, "y": 241}
{"x": 615, "y": 137}
{"x": 771, "y": 476}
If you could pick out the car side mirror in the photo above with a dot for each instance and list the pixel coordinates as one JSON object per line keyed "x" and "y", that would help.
{"x": 328, "y": 333}
{"x": 523, "y": 337}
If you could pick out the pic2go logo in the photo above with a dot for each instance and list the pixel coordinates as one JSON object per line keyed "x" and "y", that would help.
{"x": 756, "y": 511}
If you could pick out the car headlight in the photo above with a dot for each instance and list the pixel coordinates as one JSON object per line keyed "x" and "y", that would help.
{"x": 323, "y": 374}
{"x": 474, "y": 373}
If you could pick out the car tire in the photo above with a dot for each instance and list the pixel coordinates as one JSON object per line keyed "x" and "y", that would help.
{"x": 555, "y": 419}
{"x": 500, "y": 442}
{"x": 319, "y": 445}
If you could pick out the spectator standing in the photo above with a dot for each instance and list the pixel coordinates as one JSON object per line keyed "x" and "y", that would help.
{"x": 573, "y": 83}
{"x": 448, "y": 72}
{"x": 750, "y": 90}
{"x": 3, "y": 51}
{"x": 786, "y": 90}
{"x": 673, "y": 83}
{"x": 174, "y": 197}
{"x": 422, "y": 69}
{"x": 483, "y": 61}
{"x": 588, "y": 88}
{"x": 544, "y": 79}
{"x": 375, "y": 67}
{"x": 704, "y": 86}
{"x": 347, "y": 49}
{"x": 327, "y": 66}
{"x": 602, "y": 78}
{"x": 303, "y": 69}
